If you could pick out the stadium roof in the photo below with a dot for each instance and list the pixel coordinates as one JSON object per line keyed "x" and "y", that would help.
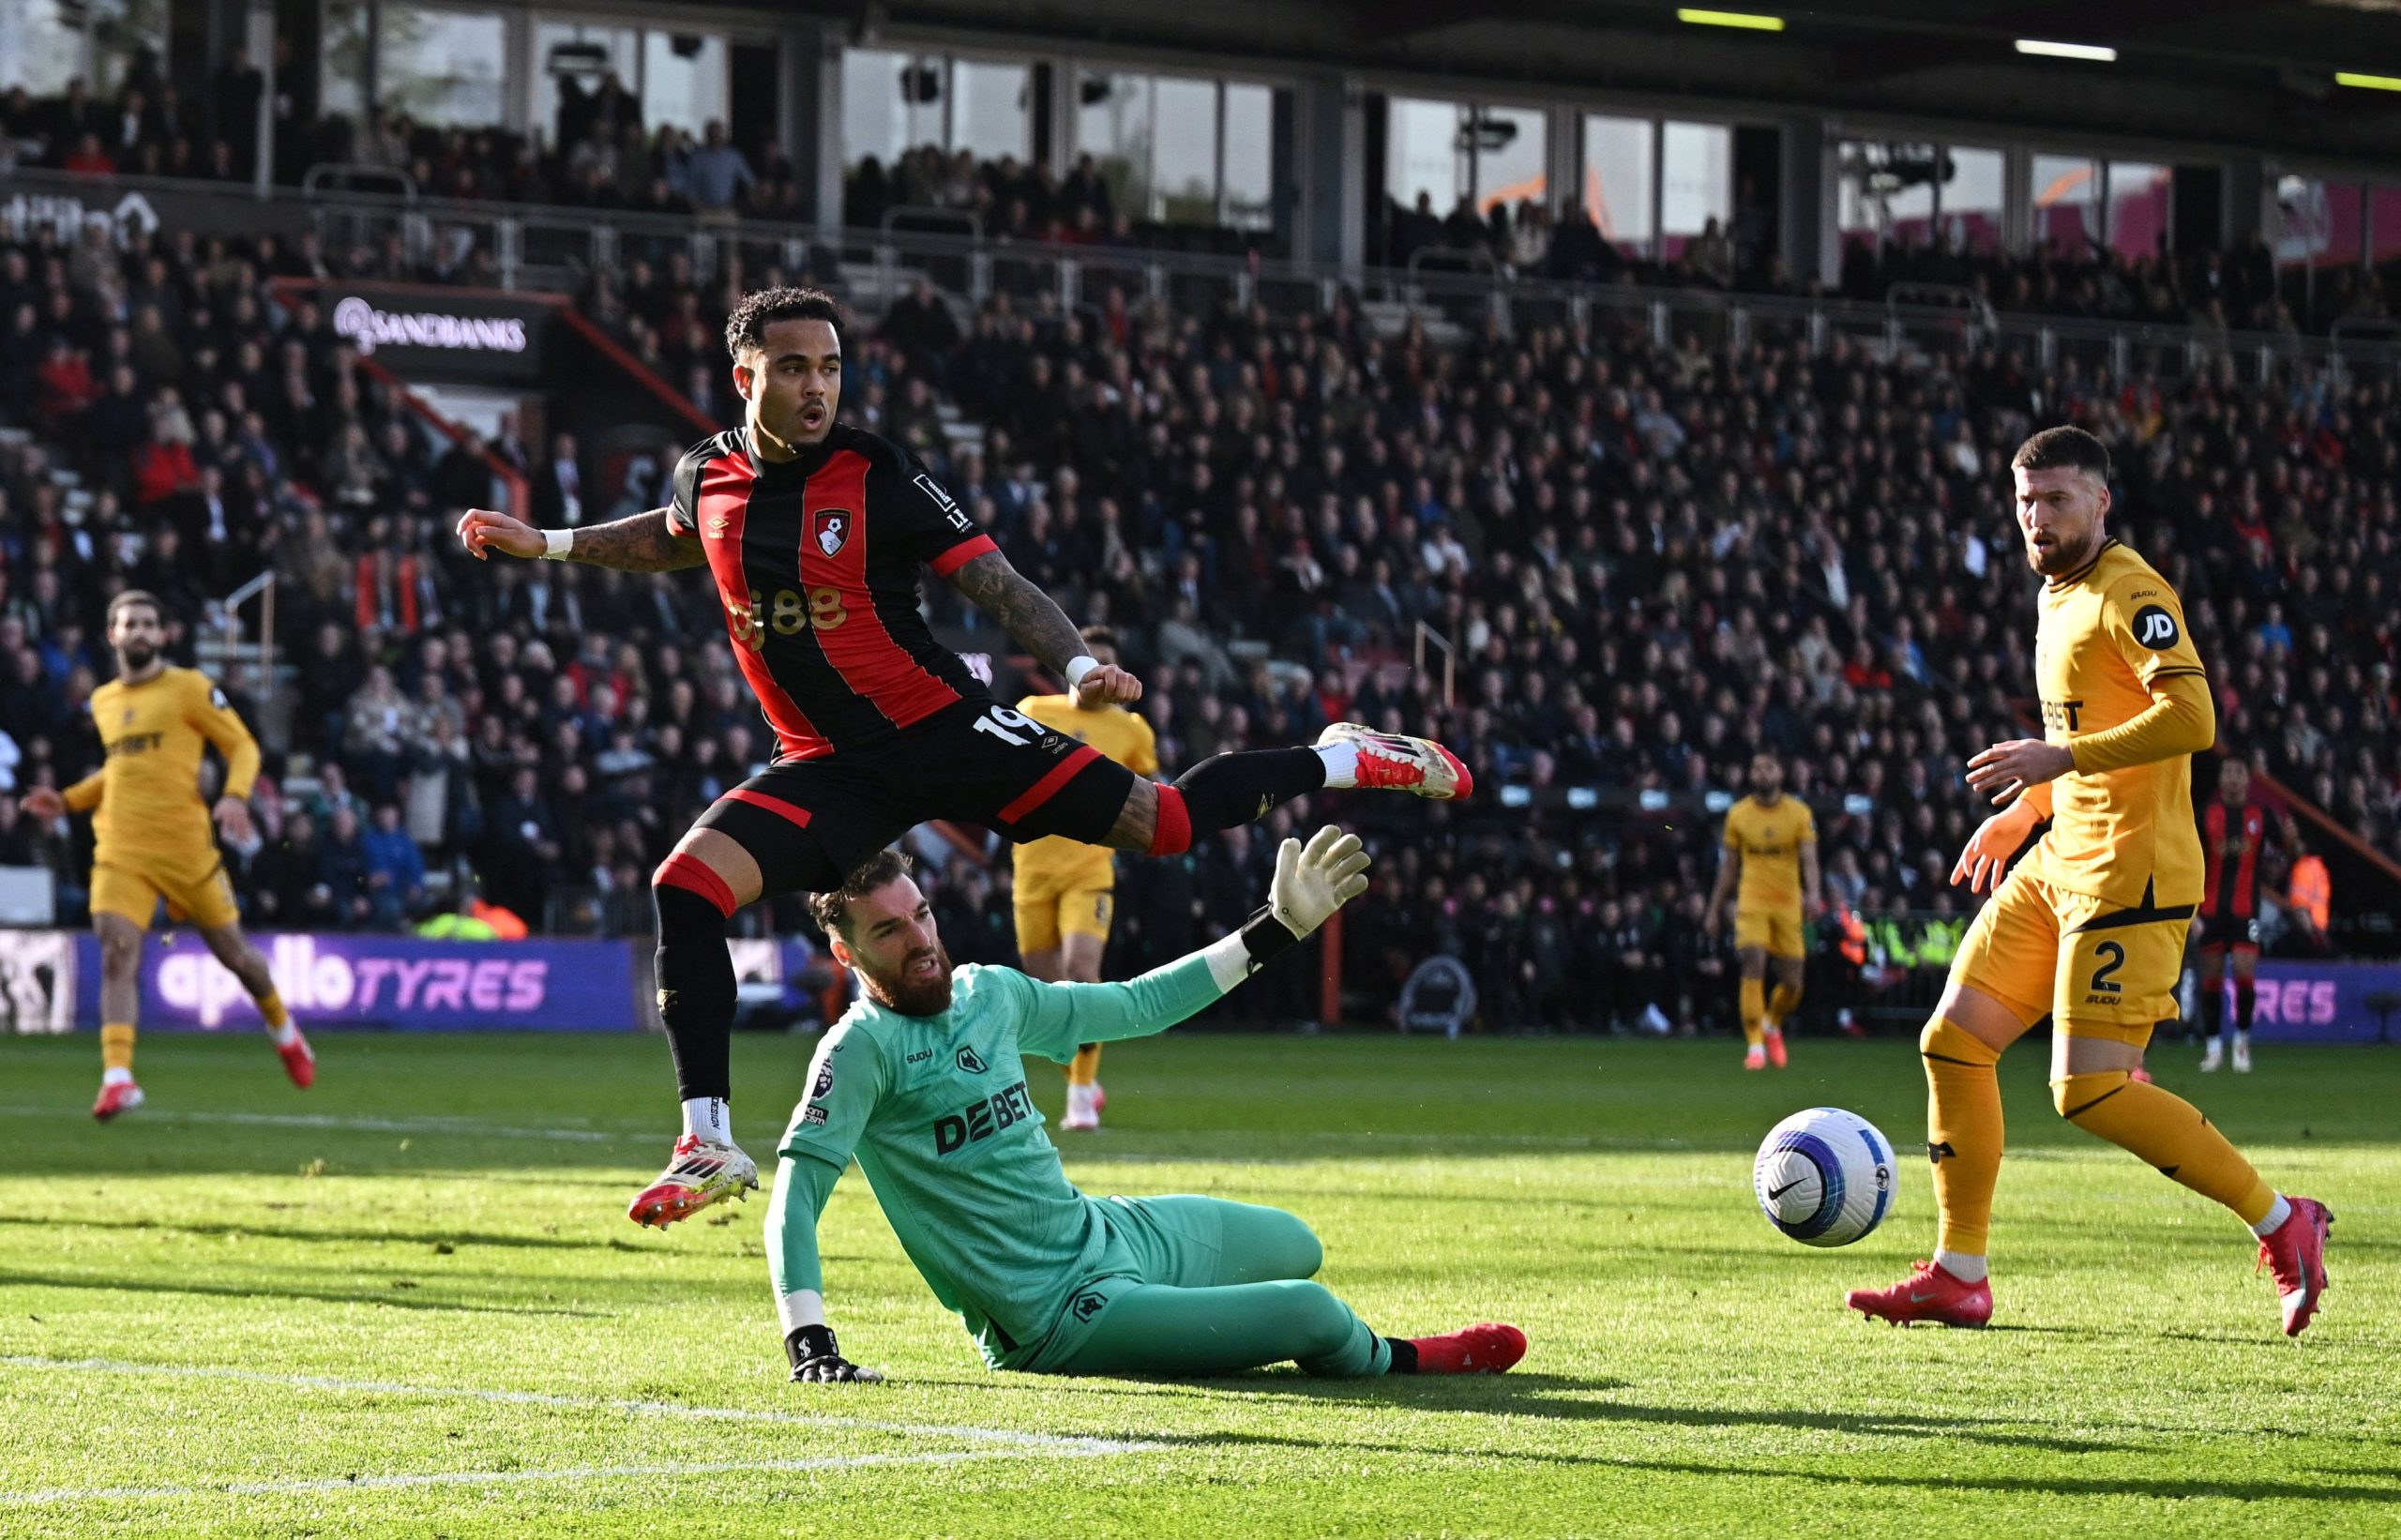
{"x": 2257, "y": 74}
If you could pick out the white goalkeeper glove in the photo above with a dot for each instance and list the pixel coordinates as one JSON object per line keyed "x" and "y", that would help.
{"x": 1313, "y": 881}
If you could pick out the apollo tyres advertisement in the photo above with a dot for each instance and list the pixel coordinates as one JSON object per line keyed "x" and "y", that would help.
{"x": 394, "y": 983}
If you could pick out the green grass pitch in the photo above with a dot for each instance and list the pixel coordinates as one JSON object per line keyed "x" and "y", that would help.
{"x": 408, "y": 1303}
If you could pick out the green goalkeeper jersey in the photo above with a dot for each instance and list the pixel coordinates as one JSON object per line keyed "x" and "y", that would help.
{"x": 936, "y": 1110}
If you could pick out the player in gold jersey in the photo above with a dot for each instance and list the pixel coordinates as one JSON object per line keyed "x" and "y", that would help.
{"x": 1066, "y": 893}
{"x": 2090, "y": 928}
{"x": 1772, "y": 850}
{"x": 153, "y": 839}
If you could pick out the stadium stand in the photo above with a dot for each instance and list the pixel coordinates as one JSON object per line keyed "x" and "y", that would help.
{"x": 1650, "y": 559}
{"x": 597, "y": 153}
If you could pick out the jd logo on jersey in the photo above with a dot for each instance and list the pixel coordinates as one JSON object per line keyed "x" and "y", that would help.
{"x": 830, "y": 528}
{"x": 2155, "y": 629}
{"x": 969, "y": 1062}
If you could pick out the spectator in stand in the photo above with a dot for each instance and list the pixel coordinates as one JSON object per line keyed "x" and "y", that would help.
{"x": 395, "y": 871}
{"x": 558, "y": 486}
{"x": 718, "y": 173}
{"x": 382, "y": 726}
{"x": 343, "y": 870}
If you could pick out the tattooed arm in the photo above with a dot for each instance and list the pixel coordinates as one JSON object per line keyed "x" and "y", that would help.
{"x": 1039, "y": 626}
{"x": 1023, "y": 611}
{"x": 642, "y": 543}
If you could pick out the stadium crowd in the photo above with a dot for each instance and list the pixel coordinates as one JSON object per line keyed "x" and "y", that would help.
{"x": 598, "y": 153}
{"x": 2242, "y": 289}
{"x": 1651, "y": 562}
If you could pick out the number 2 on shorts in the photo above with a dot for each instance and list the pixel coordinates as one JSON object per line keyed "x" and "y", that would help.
{"x": 2104, "y": 978}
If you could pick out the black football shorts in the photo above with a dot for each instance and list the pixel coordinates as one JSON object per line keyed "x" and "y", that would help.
{"x": 809, "y": 823}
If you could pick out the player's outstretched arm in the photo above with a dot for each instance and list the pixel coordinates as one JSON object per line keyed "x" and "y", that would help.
{"x": 643, "y": 543}
{"x": 1311, "y": 883}
{"x": 1729, "y": 870}
{"x": 803, "y": 1183}
{"x": 1042, "y": 628}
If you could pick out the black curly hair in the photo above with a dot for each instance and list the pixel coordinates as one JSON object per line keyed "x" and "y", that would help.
{"x": 745, "y": 329}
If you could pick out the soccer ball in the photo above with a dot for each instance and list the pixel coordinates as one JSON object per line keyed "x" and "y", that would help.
{"x": 1824, "y": 1176}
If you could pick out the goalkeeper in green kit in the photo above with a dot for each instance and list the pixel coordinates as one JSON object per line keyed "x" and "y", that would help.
{"x": 923, "y": 1081}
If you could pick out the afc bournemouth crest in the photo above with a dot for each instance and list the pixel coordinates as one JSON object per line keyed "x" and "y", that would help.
{"x": 831, "y": 529}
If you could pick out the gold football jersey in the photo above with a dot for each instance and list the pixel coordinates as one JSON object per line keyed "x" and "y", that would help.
{"x": 1770, "y": 840}
{"x": 1050, "y": 867}
{"x": 2107, "y": 634}
{"x": 147, "y": 790}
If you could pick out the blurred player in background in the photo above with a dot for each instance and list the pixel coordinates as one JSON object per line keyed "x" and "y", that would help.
{"x": 1772, "y": 854}
{"x": 1066, "y": 889}
{"x": 2089, "y": 928}
{"x": 153, "y": 835}
{"x": 2234, "y": 833}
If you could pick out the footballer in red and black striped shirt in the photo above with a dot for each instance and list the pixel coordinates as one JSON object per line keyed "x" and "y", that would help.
{"x": 814, "y": 534}
{"x": 816, "y": 562}
{"x": 2234, "y": 835}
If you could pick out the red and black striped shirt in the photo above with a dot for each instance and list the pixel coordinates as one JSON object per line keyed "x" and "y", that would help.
{"x": 2231, "y": 888}
{"x": 816, "y": 563}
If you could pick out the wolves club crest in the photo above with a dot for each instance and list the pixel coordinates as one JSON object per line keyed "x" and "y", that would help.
{"x": 830, "y": 528}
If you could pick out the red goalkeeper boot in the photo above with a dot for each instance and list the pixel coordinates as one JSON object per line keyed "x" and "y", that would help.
{"x": 1487, "y": 1349}
{"x": 1929, "y": 1294}
{"x": 2295, "y": 1251}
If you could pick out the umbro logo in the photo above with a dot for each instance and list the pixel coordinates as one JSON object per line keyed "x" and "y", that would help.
{"x": 717, "y": 525}
{"x": 970, "y": 1062}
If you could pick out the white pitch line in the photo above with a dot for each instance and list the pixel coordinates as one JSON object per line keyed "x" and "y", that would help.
{"x": 495, "y": 1478}
{"x": 470, "y": 1126}
{"x": 1065, "y": 1442}
{"x": 475, "y": 1127}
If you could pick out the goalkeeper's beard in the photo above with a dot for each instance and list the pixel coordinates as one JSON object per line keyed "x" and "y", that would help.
{"x": 135, "y": 659}
{"x": 909, "y": 991}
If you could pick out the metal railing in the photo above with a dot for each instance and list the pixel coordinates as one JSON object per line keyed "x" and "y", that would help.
{"x": 229, "y": 620}
{"x": 1427, "y": 635}
{"x": 559, "y": 248}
